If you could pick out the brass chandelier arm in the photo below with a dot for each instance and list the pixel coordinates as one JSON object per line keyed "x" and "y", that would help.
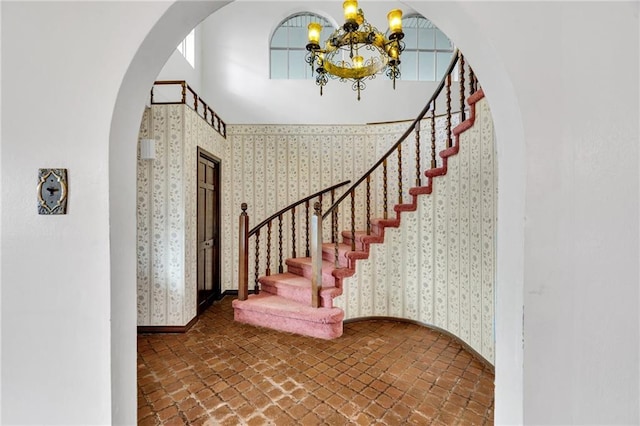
{"x": 368, "y": 50}
{"x": 354, "y": 73}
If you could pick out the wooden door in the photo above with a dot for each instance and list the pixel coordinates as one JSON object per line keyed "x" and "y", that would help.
{"x": 208, "y": 230}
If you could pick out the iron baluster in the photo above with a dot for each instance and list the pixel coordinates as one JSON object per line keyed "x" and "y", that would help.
{"x": 353, "y": 220}
{"x": 257, "y": 268}
{"x": 400, "y": 174}
{"x": 472, "y": 81}
{"x": 306, "y": 215}
{"x": 462, "y": 112}
{"x": 268, "y": 271}
{"x": 433, "y": 136}
{"x": 293, "y": 232}
{"x": 449, "y": 142}
{"x": 417, "y": 130}
{"x": 384, "y": 188}
{"x": 368, "y": 204}
{"x": 334, "y": 232}
{"x": 280, "y": 269}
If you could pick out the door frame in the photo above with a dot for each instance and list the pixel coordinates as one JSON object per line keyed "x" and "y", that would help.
{"x": 217, "y": 290}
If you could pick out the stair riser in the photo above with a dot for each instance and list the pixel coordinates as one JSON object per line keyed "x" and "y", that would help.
{"x": 305, "y": 271}
{"x": 360, "y": 246}
{"x": 300, "y": 295}
{"x": 330, "y": 256}
{"x": 377, "y": 229}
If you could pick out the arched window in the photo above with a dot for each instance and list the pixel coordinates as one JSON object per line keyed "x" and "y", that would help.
{"x": 427, "y": 50}
{"x": 288, "y": 46}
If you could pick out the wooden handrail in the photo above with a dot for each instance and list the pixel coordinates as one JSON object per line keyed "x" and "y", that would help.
{"x": 404, "y": 136}
{"x": 379, "y": 123}
{"x": 297, "y": 203}
{"x": 215, "y": 121}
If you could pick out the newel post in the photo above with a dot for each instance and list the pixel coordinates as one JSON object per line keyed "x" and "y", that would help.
{"x": 316, "y": 255}
{"x": 243, "y": 246}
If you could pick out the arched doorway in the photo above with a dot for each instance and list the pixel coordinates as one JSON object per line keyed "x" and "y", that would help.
{"x": 178, "y": 20}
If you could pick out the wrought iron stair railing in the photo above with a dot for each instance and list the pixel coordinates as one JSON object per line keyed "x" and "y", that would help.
{"x": 280, "y": 217}
{"x": 465, "y": 76}
{"x": 467, "y": 86}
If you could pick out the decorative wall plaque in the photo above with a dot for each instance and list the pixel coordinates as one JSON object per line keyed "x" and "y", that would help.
{"x": 52, "y": 191}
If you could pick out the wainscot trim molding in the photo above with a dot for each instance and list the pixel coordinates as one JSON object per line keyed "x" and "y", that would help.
{"x": 148, "y": 329}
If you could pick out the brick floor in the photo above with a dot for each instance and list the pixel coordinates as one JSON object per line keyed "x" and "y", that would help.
{"x": 379, "y": 372}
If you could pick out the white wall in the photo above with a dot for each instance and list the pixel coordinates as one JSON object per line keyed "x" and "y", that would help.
{"x": 580, "y": 268}
{"x": 56, "y": 338}
{"x": 178, "y": 68}
{"x": 237, "y": 80}
{"x": 567, "y": 132}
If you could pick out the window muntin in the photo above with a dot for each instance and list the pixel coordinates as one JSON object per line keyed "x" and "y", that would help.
{"x": 288, "y": 46}
{"x": 427, "y": 50}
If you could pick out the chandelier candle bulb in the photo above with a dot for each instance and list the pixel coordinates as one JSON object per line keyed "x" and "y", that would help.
{"x": 314, "y": 29}
{"x": 395, "y": 21}
{"x": 358, "y": 61}
{"x": 350, "y": 10}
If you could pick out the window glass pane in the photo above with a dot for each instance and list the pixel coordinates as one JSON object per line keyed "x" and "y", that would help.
{"x": 426, "y": 38}
{"x": 408, "y": 66}
{"x": 298, "y": 37}
{"x": 442, "y": 41}
{"x": 410, "y": 38}
{"x": 442, "y": 62}
{"x": 426, "y": 66}
{"x": 188, "y": 48}
{"x": 288, "y": 46}
{"x": 279, "y": 37}
{"x": 297, "y": 65}
{"x": 278, "y": 64}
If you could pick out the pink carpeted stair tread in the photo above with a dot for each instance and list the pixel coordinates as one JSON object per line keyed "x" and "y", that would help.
{"x": 279, "y": 313}
{"x": 296, "y": 288}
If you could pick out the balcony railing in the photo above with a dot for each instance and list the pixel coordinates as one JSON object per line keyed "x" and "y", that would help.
{"x": 189, "y": 97}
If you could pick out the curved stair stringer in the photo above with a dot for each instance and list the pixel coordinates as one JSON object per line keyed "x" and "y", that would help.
{"x": 394, "y": 280}
{"x": 379, "y": 225}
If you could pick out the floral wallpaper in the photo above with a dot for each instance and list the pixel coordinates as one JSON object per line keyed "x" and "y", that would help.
{"x": 166, "y": 214}
{"x": 276, "y": 165}
{"x": 438, "y": 267}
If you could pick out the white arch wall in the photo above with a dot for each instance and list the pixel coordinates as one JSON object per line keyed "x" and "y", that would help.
{"x": 74, "y": 340}
{"x": 578, "y": 132}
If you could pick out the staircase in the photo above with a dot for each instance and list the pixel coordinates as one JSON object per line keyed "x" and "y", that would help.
{"x": 285, "y": 301}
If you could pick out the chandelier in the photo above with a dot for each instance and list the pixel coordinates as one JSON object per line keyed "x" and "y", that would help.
{"x": 357, "y": 51}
